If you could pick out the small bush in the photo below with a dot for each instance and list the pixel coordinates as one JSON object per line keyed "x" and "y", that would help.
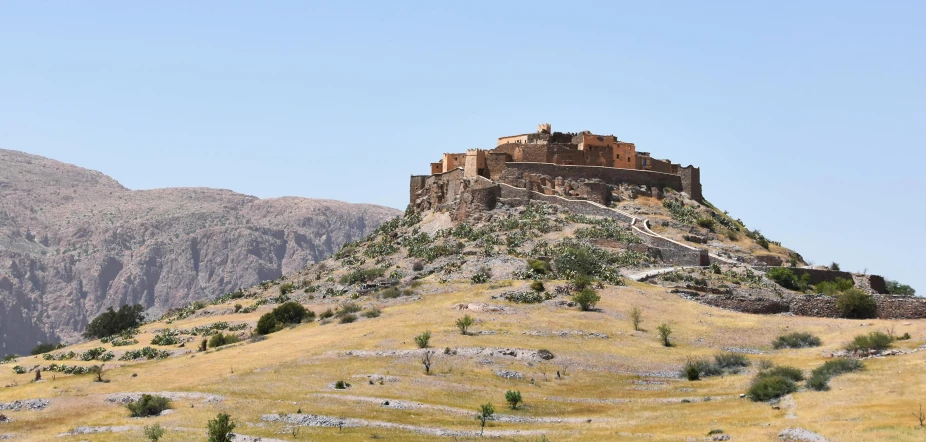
{"x": 665, "y": 331}
{"x": 856, "y": 304}
{"x": 538, "y": 267}
{"x": 113, "y": 322}
{"x": 341, "y": 385}
{"x": 348, "y": 318}
{"x": 287, "y": 288}
{"x": 731, "y": 361}
{"x": 219, "y": 339}
{"x": 636, "y": 317}
{"x": 787, "y": 279}
{"x": 267, "y": 324}
{"x": 818, "y": 382}
{"x": 582, "y": 281}
{"x": 373, "y": 312}
{"x": 587, "y": 299}
{"x": 290, "y": 312}
{"x": 896, "y": 288}
{"x": 766, "y": 388}
{"x": 873, "y": 341}
{"x": 796, "y": 340}
{"x": 347, "y": 309}
{"x": 905, "y": 337}
{"x": 537, "y": 286}
{"x": 154, "y": 432}
{"x": 465, "y": 323}
{"x": 835, "y": 367}
{"x": 791, "y": 373}
{"x": 423, "y": 339}
{"x": 326, "y": 314}
{"x": 390, "y": 293}
{"x": 707, "y": 223}
{"x": 42, "y": 348}
{"x": 220, "y": 428}
{"x": 483, "y": 276}
{"x": 833, "y": 288}
{"x": 513, "y": 397}
{"x": 418, "y": 266}
{"x": 148, "y": 405}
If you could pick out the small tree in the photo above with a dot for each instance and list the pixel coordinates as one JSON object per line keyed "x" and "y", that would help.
{"x": 485, "y": 413}
{"x": 587, "y": 299}
{"x": 220, "y": 428}
{"x": 154, "y": 432}
{"x": 856, "y": 304}
{"x": 664, "y": 332}
{"x": 465, "y": 323}
{"x": 423, "y": 339}
{"x": 426, "y": 361}
{"x": 921, "y": 417}
{"x": 513, "y": 397}
{"x": 636, "y": 316}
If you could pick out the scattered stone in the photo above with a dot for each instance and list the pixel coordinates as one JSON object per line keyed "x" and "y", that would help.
{"x": 800, "y": 435}
{"x": 721, "y": 437}
{"x": 94, "y": 430}
{"x": 126, "y": 398}
{"x": 545, "y": 354}
{"x": 3, "y": 419}
{"x": 28, "y": 404}
{"x": 385, "y": 403}
{"x": 508, "y": 374}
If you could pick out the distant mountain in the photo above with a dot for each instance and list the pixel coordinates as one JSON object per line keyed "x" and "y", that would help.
{"x": 74, "y": 242}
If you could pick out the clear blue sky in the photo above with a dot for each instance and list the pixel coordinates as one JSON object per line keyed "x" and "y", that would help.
{"x": 807, "y": 120}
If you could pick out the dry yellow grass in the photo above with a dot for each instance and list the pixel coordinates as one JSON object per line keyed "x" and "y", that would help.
{"x": 602, "y": 391}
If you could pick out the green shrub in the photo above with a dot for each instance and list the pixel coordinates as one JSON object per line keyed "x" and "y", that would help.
{"x": 856, "y": 304}
{"x": 348, "y": 318}
{"x": 423, "y": 339}
{"x": 796, "y": 340}
{"x": 905, "y": 337}
{"x": 341, "y": 385}
{"x": 636, "y": 317}
{"x": 362, "y": 275}
{"x": 154, "y": 433}
{"x": 836, "y": 367}
{"x": 219, "y": 339}
{"x": 873, "y": 341}
{"x": 707, "y": 223}
{"x": 762, "y": 242}
{"x": 691, "y": 371}
{"x": 896, "y": 288}
{"x": 818, "y": 382}
{"x": 791, "y": 373}
{"x": 373, "y": 312}
{"x": 114, "y": 322}
{"x": 731, "y": 361}
{"x": 267, "y": 324}
{"x": 347, "y": 308}
{"x": 390, "y": 293}
{"x": 527, "y": 297}
{"x": 326, "y": 314}
{"x": 513, "y": 397}
{"x": 587, "y": 299}
{"x": 465, "y": 323}
{"x": 665, "y": 331}
{"x": 537, "y": 286}
{"x": 766, "y": 388}
{"x": 287, "y": 288}
{"x": 582, "y": 281}
{"x": 220, "y": 428}
{"x": 481, "y": 277}
{"x": 148, "y": 405}
{"x": 538, "y": 267}
{"x": 833, "y": 288}
{"x": 43, "y": 348}
{"x": 787, "y": 279}
{"x": 290, "y": 312}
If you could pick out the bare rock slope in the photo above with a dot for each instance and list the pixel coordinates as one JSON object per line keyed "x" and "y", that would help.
{"x": 74, "y": 242}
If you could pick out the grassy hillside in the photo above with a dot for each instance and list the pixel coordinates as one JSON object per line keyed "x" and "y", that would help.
{"x": 604, "y": 382}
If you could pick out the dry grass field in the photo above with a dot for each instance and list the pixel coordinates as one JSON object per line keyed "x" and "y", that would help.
{"x": 615, "y": 383}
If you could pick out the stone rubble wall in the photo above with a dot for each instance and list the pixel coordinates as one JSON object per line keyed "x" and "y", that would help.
{"x": 820, "y": 306}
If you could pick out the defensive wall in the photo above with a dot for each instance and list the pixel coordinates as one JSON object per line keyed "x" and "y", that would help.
{"x": 514, "y": 172}
{"x": 875, "y": 282}
{"x": 820, "y": 306}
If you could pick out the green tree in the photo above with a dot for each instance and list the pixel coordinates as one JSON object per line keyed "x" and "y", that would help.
{"x": 154, "y": 432}
{"x": 485, "y": 413}
{"x": 513, "y": 397}
{"x": 465, "y": 323}
{"x": 220, "y": 428}
{"x": 113, "y": 322}
{"x": 423, "y": 339}
{"x": 636, "y": 316}
{"x": 587, "y": 299}
{"x": 42, "y": 348}
{"x": 266, "y": 324}
{"x": 856, "y": 304}
{"x": 665, "y": 331}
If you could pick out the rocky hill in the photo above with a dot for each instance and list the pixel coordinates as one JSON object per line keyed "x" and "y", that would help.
{"x": 418, "y": 325}
{"x": 74, "y": 242}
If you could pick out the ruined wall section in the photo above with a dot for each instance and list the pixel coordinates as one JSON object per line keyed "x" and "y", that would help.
{"x": 515, "y": 173}
{"x": 691, "y": 182}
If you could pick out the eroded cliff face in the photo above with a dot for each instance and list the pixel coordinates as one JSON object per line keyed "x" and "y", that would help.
{"x": 74, "y": 242}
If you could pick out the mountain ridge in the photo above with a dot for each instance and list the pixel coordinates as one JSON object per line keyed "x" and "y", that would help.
{"x": 74, "y": 241}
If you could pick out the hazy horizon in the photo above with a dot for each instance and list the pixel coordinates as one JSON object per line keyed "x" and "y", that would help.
{"x": 797, "y": 115}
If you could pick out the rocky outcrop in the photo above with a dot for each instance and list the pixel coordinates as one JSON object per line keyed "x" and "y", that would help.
{"x": 74, "y": 242}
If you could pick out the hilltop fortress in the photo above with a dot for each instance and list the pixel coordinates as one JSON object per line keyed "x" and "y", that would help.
{"x": 580, "y": 166}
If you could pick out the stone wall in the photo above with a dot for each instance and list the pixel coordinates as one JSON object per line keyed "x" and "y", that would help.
{"x": 816, "y": 275}
{"x": 691, "y": 182}
{"x": 515, "y": 171}
{"x": 740, "y": 303}
{"x": 820, "y": 306}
